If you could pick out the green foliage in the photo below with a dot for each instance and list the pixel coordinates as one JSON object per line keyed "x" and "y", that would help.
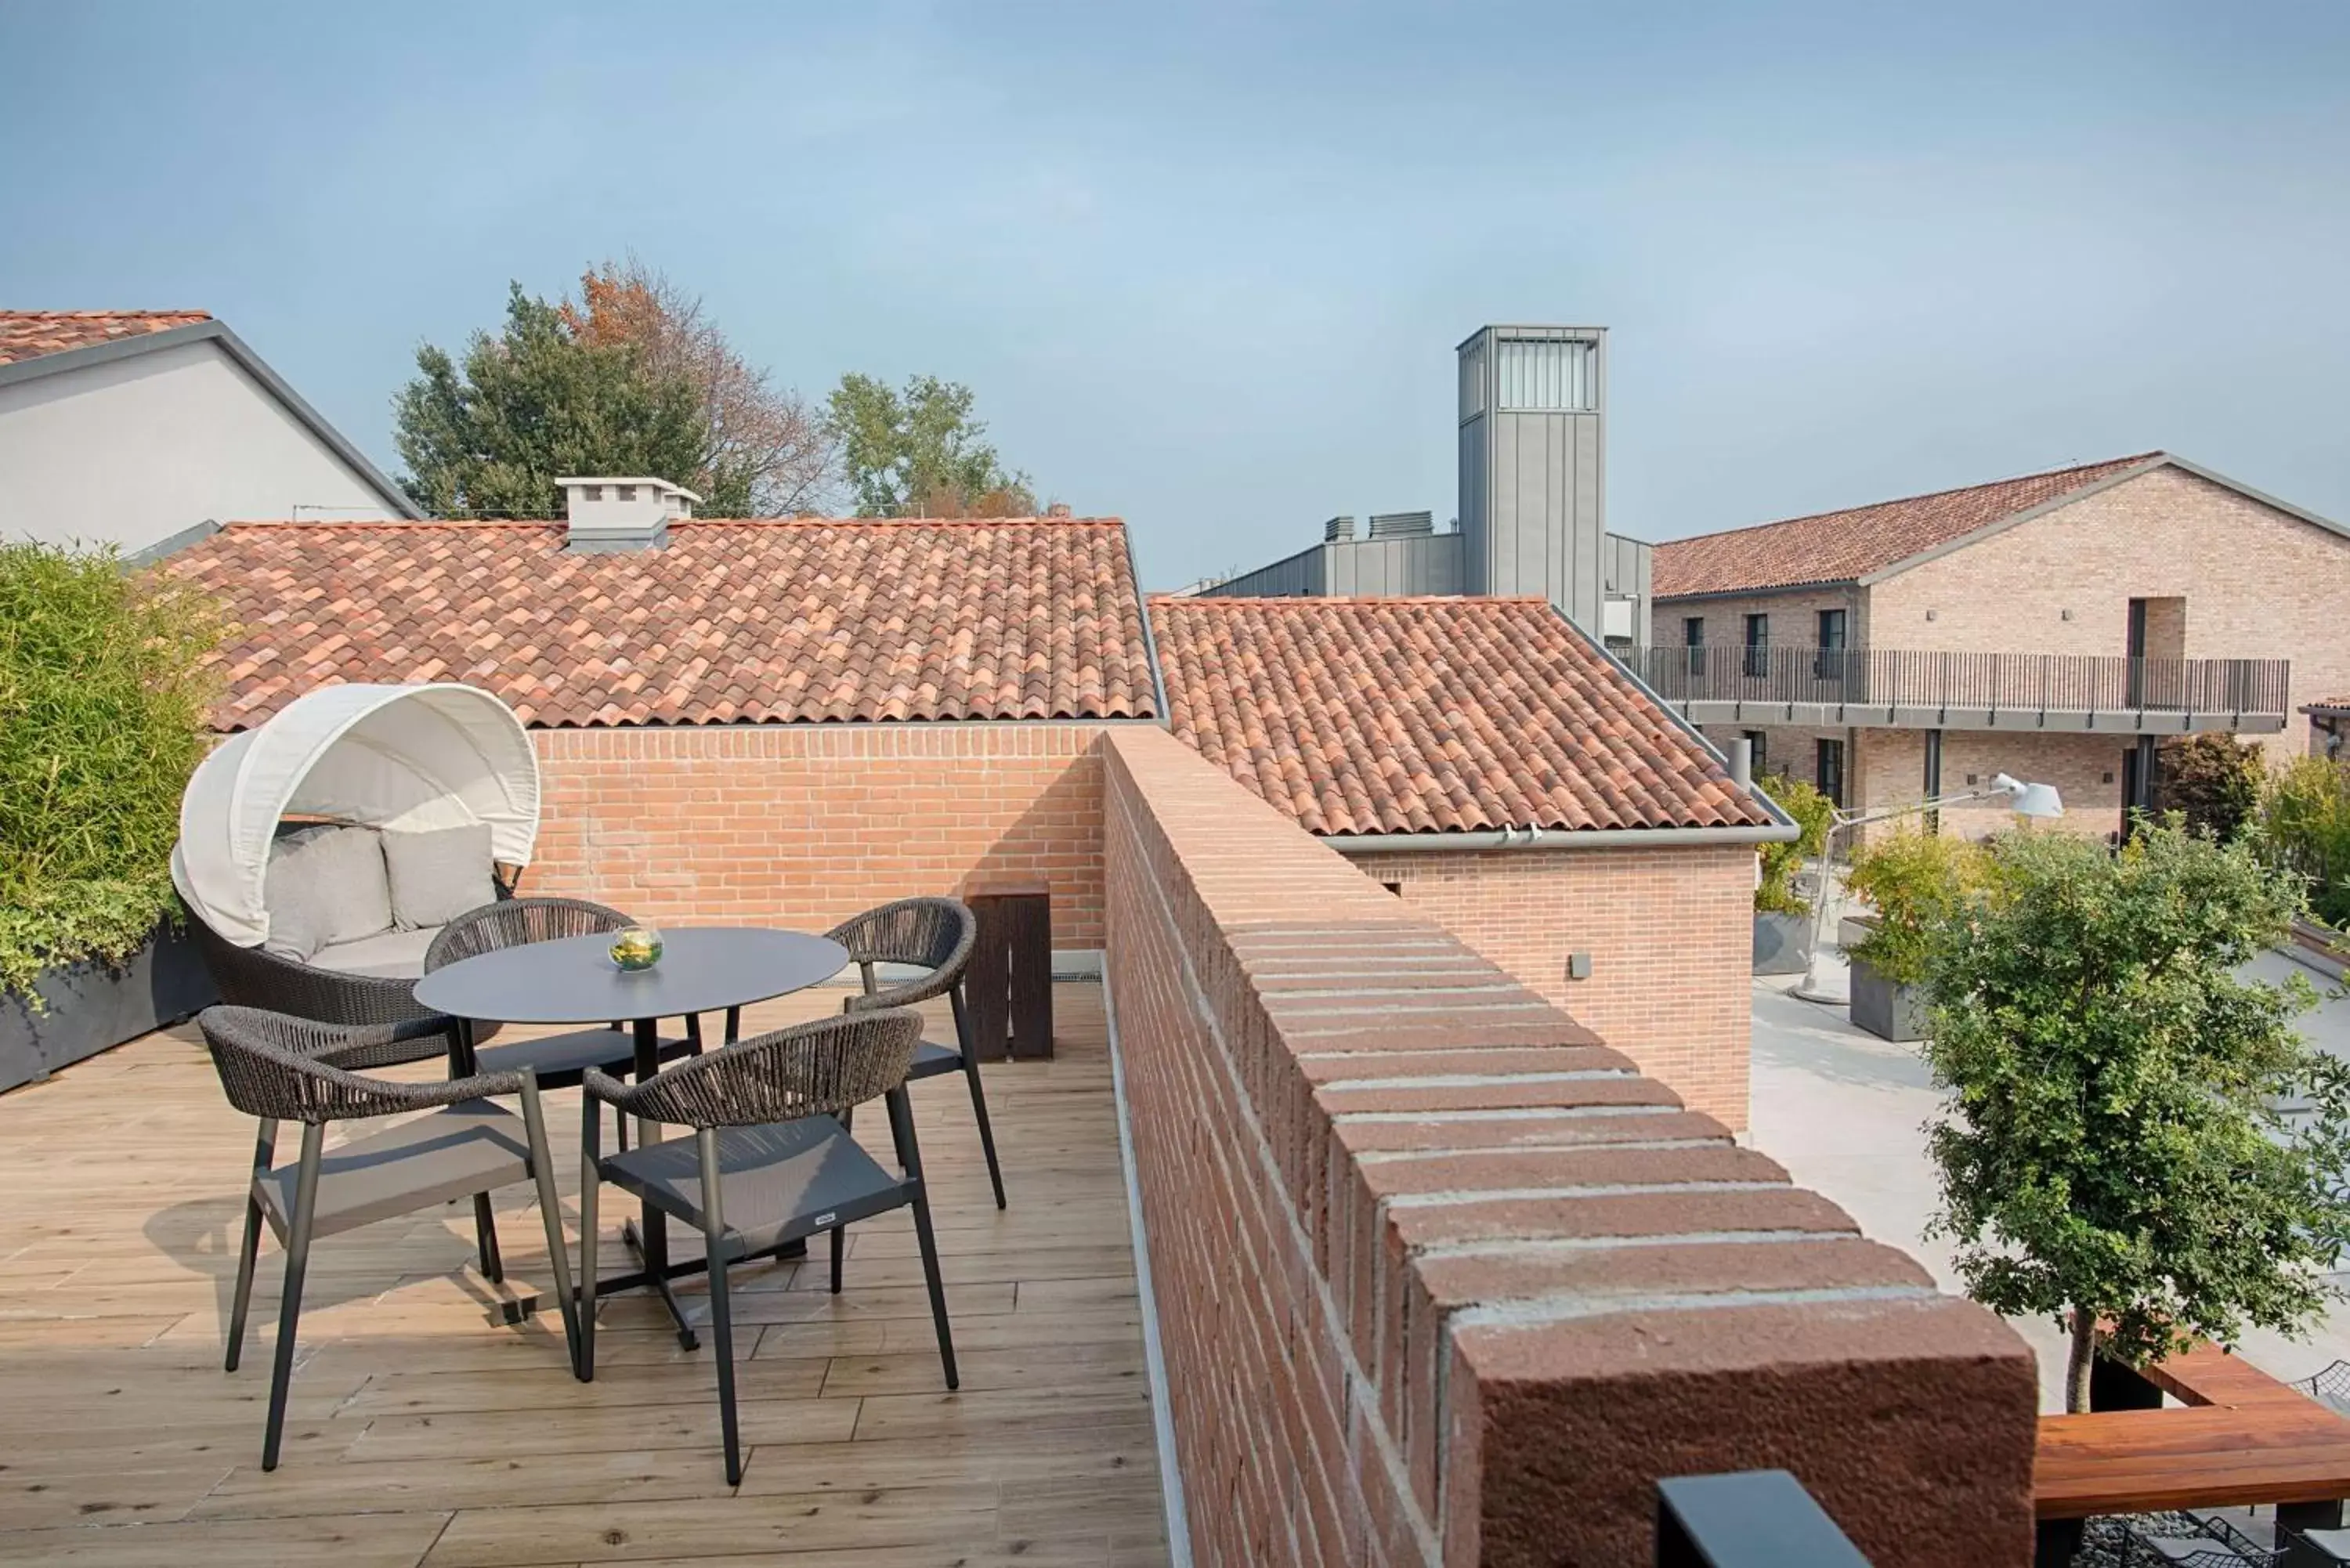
{"x": 2305, "y": 829}
{"x": 1816, "y": 815}
{"x": 103, "y": 695}
{"x": 1916, "y": 880}
{"x": 919, "y": 451}
{"x": 2213, "y": 781}
{"x": 489, "y": 439}
{"x": 2111, "y": 1149}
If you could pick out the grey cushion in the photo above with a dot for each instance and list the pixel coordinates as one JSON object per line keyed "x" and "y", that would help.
{"x": 325, "y": 888}
{"x": 387, "y": 955}
{"x": 438, "y": 876}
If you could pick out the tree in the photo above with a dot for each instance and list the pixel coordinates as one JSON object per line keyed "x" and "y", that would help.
{"x": 766, "y": 453}
{"x": 2112, "y": 1152}
{"x": 2214, "y": 781}
{"x": 920, "y": 453}
{"x": 489, "y": 439}
{"x": 1815, "y": 814}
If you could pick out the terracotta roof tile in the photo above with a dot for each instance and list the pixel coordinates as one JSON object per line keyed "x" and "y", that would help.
{"x": 29, "y": 334}
{"x": 1839, "y": 547}
{"x": 1430, "y": 715}
{"x": 730, "y": 621}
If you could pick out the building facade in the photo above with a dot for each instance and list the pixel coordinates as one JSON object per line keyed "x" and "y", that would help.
{"x": 130, "y": 429}
{"x": 2055, "y": 628}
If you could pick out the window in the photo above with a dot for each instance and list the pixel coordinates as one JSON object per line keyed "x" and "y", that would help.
{"x": 1831, "y": 769}
{"x": 1758, "y": 645}
{"x": 1828, "y": 664}
{"x": 1761, "y": 753}
{"x": 1693, "y": 639}
{"x": 1542, "y": 377}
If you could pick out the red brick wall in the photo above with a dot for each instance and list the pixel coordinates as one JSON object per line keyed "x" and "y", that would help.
{"x": 1671, "y": 933}
{"x": 1440, "y": 1277}
{"x": 805, "y": 825}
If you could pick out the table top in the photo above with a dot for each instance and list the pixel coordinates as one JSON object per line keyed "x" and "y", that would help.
{"x": 574, "y": 980}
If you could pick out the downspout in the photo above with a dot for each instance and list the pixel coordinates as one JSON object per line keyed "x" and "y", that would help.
{"x": 1782, "y": 831}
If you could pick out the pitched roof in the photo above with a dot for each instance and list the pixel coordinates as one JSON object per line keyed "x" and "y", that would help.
{"x": 1842, "y": 546}
{"x": 1430, "y": 715}
{"x": 730, "y": 621}
{"x": 29, "y": 334}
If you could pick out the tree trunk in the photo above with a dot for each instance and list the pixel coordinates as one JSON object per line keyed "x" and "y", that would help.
{"x": 2084, "y": 1356}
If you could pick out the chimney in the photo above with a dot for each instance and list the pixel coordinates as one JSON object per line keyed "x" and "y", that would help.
{"x": 1058, "y": 509}
{"x": 1402, "y": 524}
{"x": 1338, "y": 530}
{"x": 606, "y": 515}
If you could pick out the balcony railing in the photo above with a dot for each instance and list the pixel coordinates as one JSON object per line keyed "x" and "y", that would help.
{"x": 2015, "y": 682}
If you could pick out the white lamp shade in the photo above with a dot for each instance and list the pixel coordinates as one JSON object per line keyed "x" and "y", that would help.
{"x": 2039, "y": 800}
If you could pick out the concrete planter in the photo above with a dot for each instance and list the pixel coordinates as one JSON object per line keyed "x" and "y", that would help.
{"x": 1889, "y": 1011}
{"x": 92, "y": 1008}
{"x": 1783, "y": 944}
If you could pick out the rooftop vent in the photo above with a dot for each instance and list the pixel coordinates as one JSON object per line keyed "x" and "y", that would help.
{"x": 603, "y": 514}
{"x": 1402, "y": 524}
{"x": 1338, "y": 528}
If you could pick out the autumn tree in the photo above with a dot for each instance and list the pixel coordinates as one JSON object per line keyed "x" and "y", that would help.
{"x": 488, "y": 436}
{"x": 919, "y": 451}
{"x": 764, "y": 451}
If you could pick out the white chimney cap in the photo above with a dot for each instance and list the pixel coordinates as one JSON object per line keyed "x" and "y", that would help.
{"x": 662, "y": 485}
{"x": 620, "y": 512}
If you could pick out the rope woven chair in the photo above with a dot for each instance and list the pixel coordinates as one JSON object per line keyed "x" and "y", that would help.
{"x": 277, "y": 1068}
{"x": 937, "y": 935}
{"x": 252, "y": 977}
{"x": 769, "y": 1164}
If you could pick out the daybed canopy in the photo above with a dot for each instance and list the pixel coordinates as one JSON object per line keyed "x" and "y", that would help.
{"x": 409, "y": 758}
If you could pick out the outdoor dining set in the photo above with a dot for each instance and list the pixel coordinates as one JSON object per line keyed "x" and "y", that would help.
{"x": 400, "y": 804}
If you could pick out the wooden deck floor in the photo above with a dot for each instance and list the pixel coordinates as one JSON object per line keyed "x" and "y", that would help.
{"x": 421, "y": 1433}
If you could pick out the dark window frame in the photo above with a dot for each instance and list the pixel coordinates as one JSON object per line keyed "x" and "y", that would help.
{"x": 1827, "y": 769}
{"x": 1758, "y": 646}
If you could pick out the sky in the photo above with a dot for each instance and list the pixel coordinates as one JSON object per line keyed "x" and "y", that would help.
{"x": 1205, "y": 266}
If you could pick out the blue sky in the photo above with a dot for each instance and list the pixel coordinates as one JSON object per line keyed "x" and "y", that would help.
{"x": 1205, "y": 266}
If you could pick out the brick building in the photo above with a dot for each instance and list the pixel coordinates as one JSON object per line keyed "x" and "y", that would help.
{"x": 1489, "y": 765}
{"x": 2053, "y": 626}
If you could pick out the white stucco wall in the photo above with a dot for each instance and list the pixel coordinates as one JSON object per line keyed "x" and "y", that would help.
{"x": 137, "y": 449}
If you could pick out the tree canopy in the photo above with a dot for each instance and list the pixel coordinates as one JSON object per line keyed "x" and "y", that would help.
{"x": 919, "y": 451}
{"x": 2114, "y": 1150}
{"x": 489, "y": 437}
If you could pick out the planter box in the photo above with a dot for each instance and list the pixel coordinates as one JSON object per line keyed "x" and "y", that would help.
{"x": 92, "y": 1008}
{"x": 1887, "y": 1010}
{"x": 1783, "y": 944}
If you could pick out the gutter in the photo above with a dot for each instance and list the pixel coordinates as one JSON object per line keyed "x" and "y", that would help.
{"x": 1532, "y": 837}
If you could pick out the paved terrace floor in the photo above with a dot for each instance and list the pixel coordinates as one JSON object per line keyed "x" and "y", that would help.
{"x": 421, "y": 1433}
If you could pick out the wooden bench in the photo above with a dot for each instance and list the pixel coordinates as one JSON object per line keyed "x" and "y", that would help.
{"x": 2242, "y": 1437}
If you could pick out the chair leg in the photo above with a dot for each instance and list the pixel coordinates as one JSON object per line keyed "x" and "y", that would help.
{"x": 591, "y": 1182}
{"x": 986, "y": 1132}
{"x": 264, "y": 1145}
{"x": 289, "y": 1308}
{"x": 721, "y": 1307}
{"x": 910, "y": 1156}
{"x": 485, "y": 1239}
{"x": 841, "y": 1232}
{"x": 550, "y": 1211}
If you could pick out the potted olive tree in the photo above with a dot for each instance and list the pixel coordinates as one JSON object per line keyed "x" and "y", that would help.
{"x": 1782, "y": 916}
{"x": 1913, "y": 880}
{"x": 103, "y": 694}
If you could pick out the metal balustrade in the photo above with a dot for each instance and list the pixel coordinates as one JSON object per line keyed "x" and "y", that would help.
{"x": 1917, "y": 678}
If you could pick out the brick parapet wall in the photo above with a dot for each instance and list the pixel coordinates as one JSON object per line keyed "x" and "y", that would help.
{"x": 1669, "y": 933}
{"x": 805, "y": 825}
{"x": 1441, "y": 1278}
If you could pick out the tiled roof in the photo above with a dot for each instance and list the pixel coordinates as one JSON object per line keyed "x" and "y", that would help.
{"x": 730, "y": 621}
{"x": 1840, "y": 546}
{"x": 29, "y": 334}
{"x": 2327, "y": 706}
{"x": 1426, "y": 715}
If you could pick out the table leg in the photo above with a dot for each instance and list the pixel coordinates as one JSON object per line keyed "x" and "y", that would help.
{"x": 2293, "y": 1518}
{"x": 654, "y": 1245}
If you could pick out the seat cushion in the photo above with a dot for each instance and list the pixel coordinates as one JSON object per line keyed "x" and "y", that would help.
{"x": 782, "y": 1181}
{"x": 325, "y": 888}
{"x": 557, "y": 1057}
{"x": 931, "y": 1060}
{"x": 387, "y": 955}
{"x": 457, "y": 1150}
{"x": 438, "y": 876}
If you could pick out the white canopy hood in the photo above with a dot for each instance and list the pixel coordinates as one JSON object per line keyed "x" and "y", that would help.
{"x": 409, "y": 758}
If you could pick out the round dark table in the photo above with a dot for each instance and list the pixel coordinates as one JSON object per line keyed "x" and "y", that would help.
{"x": 573, "y": 980}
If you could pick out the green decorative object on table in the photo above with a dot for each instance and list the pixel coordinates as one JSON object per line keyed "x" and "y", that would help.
{"x": 636, "y": 948}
